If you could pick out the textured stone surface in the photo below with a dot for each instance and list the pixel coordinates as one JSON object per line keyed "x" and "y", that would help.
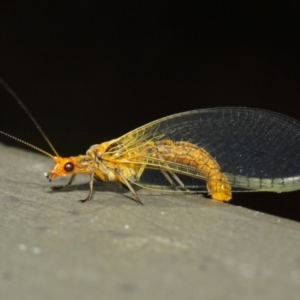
{"x": 188, "y": 247}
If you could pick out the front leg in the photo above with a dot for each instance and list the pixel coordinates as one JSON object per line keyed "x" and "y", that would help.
{"x": 62, "y": 187}
{"x": 90, "y": 194}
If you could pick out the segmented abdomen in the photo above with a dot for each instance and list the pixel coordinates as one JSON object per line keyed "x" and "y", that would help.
{"x": 200, "y": 163}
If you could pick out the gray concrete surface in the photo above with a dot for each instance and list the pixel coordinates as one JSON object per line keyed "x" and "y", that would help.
{"x": 175, "y": 247}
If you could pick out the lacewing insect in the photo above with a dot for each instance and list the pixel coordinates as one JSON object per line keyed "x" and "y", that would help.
{"x": 218, "y": 150}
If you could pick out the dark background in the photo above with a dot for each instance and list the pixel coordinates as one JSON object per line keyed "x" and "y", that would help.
{"x": 92, "y": 72}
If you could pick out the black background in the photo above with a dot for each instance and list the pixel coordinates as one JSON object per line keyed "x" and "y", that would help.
{"x": 91, "y": 72}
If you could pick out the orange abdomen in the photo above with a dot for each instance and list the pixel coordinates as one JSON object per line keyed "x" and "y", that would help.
{"x": 187, "y": 154}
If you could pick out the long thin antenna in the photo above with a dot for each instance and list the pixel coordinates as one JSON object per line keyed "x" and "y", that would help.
{"x": 37, "y": 125}
{"x": 25, "y": 143}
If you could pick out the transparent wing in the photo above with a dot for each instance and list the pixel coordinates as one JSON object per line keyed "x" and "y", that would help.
{"x": 256, "y": 149}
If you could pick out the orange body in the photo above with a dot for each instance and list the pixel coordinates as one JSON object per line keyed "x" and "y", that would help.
{"x": 168, "y": 145}
{"x": 113, "y": 161}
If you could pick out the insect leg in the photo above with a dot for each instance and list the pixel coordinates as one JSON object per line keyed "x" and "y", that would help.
{"x": 61, "y": 187}
{"x": 169, "y": 179}
{"x": 140, "y": 171}
{"x": 90, "y": 194}
{"x": 177, "y": 179}
{"x": 166, "y": 174}
{"x": 128, "y": 185}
